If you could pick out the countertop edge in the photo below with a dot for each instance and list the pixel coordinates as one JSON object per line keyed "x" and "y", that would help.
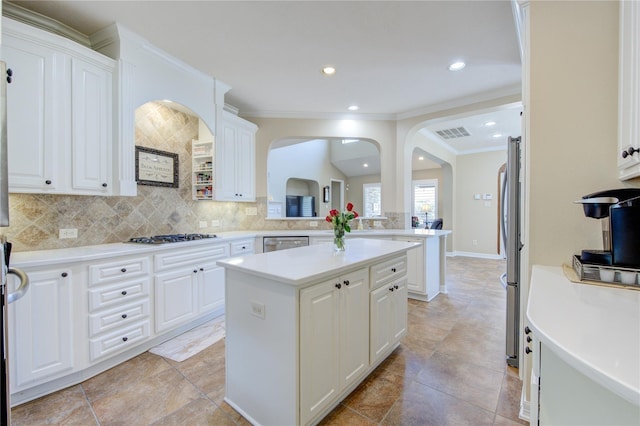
{"x": 574, "y": 359}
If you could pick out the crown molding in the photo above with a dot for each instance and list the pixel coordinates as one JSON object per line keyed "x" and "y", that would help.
{"x": 318, "y": 115}
{"x": 42, "y": 22}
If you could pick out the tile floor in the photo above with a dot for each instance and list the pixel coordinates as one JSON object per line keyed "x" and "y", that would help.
{"x": 449, "y": 370}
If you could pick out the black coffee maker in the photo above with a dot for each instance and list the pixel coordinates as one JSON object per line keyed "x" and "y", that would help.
{"x": 619, "y": 213}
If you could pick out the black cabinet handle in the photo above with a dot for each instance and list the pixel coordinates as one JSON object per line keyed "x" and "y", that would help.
{"x": 124, "y": 316}
{"x": 244, "y": 248}
{"x": 64, "y": 275}
{"x": 529, "y": 339}
{"x": 346, "y": 282}
{"x": 124, "y": 292}
{"x": 124, "y": 339}
{"x": 527, "y": 330}
{"x": 104, "y": 185}
{"x": 123, "y": 270}
{"x": 629, "y": 152}
{"x": 393, "y": 269}
{"x": 395, "y": 286}
{"x": 338, "y": 285}
{"x": 9, "y": 75}
{"x": 202, "y": 269}
{"x": 391, "y": 289}
{"x": 48, "y": 182}
{"x": 528, "y": 350}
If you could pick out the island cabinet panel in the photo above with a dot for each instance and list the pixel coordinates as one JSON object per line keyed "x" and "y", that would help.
{"x": 334, "y": 329}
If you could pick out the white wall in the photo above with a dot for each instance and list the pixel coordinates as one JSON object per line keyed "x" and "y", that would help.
{"x": 477, "y": 221}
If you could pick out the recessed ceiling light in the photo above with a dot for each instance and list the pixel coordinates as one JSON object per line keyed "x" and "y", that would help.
{"x": 421, "y": 158}
{"x": 353, "y": 107}
{"x": 457, "y": 66}
{"x": 490, "y": 123}
{"x": 345, "y": 141}
{"x": 328, "y": 70}
{"x": 365, "y": 165}
{"x": 497, "y": 135}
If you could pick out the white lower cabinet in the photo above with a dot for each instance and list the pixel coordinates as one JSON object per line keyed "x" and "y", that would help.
{"x": 41, "y": 336}
{"x": 388, "y": 317}
{"x": 175, "y": 298}
{"x": 210, "y": 288}
{"x": 334, "y": 326}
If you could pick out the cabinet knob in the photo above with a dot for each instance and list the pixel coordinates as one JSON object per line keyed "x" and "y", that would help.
{"x": 629, "y": 152}
{"x": 529, "y": 339}
{"x": 9, "y": 75}
{"x": 527, "y": 330}
{"x": 48, "y": 182}
{"x": 123, "y": 270}
{"x": 338, "y": 285}
{"x": 391, "y": 289}
{"x": 528, "y": 350}
{"x": 244, "y": 248}
{"x": 124, "y": 316}
{"x": 124, "y": 339}
{"x": 395, "y": 286}
{"x": 104, "y": 185}
{"x": 346, "y": 282}
{"x": 64, "y": 275}
{"x": 202, "y": 269}
{"x": 393, "y": 269}
{"x": 124, "y": 292}
{"x": 195, "y": 271}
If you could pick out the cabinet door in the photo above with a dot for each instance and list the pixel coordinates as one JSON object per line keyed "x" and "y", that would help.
{"x": 380, "y": 303}
{"x": 226, "y": 163}
{"x": 354, "y": 328}
{"x": 211, "y": 287}
{"x": 34, "y": 109}
{"x": 245, "y": 164}
{"x": 175, "y": 298}
{"x": 41, "y": 329}
{"x": 398, "y": 311}
{"x": 91, "y": 128}
{"x": 319, "y": 348}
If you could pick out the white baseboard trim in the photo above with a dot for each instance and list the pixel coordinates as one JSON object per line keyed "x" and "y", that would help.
{"x": 525, "y": 409}
{"x": 472, "y": 254}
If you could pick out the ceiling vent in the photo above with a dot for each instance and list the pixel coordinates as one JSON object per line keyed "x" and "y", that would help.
{"x": 453, "y": 133}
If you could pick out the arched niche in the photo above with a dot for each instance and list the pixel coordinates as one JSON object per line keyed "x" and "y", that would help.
{"x": 335, "y": 168}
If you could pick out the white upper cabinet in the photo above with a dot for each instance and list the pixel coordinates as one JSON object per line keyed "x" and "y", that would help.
{"x": 629, "y": 91}
{"x": 59, "y": 114}
{"x": 235, "y": 160}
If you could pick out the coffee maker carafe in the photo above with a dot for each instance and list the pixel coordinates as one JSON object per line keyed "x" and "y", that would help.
{"x": 619, "y": 213}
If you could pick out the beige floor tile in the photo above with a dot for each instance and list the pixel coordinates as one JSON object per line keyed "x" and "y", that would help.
{"x": 509, "y": 400}
{"x": 66, "y": 407}
{"x": 375, "y": 396}
{"x": 149, "y": 400}
{"x": 201, "y": 412}
{"x": 422, "y": 405}
{"x": 343, "y": 416}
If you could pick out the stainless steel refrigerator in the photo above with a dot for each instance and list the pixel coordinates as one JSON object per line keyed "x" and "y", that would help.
{"x": 511, "y": 233}
{"x": 5, "y": 251}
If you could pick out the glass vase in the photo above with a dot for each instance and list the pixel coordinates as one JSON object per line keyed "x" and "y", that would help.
{"x": 339, "y": 240}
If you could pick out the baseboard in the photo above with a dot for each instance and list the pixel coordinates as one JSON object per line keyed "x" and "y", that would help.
{"x": 472, "y": 254}
{"x": 525, "y": 409}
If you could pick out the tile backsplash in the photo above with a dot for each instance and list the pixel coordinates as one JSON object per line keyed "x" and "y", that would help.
{"x": 37, "y": 218}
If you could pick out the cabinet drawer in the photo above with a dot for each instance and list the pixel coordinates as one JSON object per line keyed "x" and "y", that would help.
{"x": 388, "y": 270}
{"x": 120, "y": 316}
{"x": 191, "y": 257}
{"x": 120, "y": 339}
{"x": 123, "y": 269}
{"x": 113, "y": 295}
{"x": 239, "y": 248}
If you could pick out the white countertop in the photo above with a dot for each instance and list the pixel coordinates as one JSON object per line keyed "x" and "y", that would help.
{"x": 593, "y": 328}
{"x": 307, "y": 264}
{"x": 35, "y": 258}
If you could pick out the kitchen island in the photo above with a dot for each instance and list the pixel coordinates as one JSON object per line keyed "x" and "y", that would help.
{"x": 305, "y": 326}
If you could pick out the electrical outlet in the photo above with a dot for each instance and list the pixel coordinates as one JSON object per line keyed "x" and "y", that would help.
{"x": 257, "y": 309}
{"x": 377, "y": 224}
{"x": 203, "y": 224}
{"x": 474, "y": 242}
{"x": 251, "y": 211}
{"x": 68, "y": 233}
{"x": 313, "y": 224}
{"x": 215, "y": 223}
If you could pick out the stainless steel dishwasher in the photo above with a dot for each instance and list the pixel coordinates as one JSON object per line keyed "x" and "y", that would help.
{"x": 283, "y": 243}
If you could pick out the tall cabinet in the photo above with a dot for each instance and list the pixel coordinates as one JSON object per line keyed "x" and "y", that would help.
{"x": 235, "y": 178}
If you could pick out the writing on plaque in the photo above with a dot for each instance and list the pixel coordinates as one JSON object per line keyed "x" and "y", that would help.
{"x": 155, "y": 167}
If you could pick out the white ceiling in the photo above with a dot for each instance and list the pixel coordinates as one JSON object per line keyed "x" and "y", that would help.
{"x": 391, "y": 56}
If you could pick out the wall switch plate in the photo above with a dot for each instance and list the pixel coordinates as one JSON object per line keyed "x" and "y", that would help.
{"x": 251, "y": 211}
{"x": 215, "y": 223}
{"x": 68, "y": 233}
{"x": 257, "y": 309}
{"x": 313, "y": 224}
{"x": 203, "y": 224}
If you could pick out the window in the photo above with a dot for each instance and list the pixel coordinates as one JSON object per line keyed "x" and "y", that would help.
{"x": 371, "y": 202}
{"x": 425, "y": 201}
